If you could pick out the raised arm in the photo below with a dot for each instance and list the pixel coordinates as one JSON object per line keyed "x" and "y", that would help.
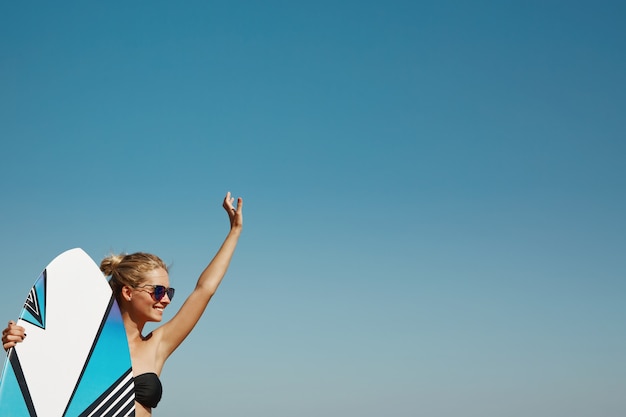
{"x": 172, "y": 333}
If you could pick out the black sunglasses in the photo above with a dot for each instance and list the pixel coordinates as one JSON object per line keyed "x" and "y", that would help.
{"x": 159, "y": 291}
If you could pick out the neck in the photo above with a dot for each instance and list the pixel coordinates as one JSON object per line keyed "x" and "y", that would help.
{"x": 133, "y": 327}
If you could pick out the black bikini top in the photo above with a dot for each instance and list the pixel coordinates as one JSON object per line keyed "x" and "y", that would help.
{"x": 148, "y": 389}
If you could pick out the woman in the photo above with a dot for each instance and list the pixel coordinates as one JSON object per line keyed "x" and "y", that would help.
{"x": 140, "y": 283}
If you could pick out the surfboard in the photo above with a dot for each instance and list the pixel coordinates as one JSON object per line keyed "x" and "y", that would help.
{"x": 75, "y": 360}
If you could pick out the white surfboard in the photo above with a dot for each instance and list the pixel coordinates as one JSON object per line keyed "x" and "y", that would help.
{"x": 75, "y": 359}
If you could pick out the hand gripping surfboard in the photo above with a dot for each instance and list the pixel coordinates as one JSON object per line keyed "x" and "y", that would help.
{"x": 75, "y": 360}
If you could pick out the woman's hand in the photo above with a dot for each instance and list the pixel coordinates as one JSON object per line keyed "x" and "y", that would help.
{"x": 12, "y": 335}
{"x": 235, "y": 214}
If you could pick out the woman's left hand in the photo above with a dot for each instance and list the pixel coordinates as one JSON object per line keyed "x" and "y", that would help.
{"x": 235, "y": 214}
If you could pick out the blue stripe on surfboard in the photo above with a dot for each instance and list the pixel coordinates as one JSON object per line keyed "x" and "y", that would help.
{"x": 15, "y": 399}
{"x": 34, "y": 310}
{"x": 105, "y": 366}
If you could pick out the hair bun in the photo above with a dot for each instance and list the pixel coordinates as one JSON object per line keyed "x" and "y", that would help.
{"x": 110, "y": 264}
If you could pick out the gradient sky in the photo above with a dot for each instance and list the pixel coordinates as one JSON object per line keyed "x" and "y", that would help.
{"x": 434, "y": 193}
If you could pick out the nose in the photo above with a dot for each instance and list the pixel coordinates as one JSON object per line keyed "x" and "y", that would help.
{"x": 166, "y": 299}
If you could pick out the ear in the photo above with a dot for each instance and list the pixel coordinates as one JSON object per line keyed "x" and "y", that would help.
{"x": 127, "y": 293}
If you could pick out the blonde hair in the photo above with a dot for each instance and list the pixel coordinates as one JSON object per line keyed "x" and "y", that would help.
{"x": 129, "y": 269}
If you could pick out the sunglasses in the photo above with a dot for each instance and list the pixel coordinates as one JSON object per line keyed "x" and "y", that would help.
{"x": 159, "y": 291}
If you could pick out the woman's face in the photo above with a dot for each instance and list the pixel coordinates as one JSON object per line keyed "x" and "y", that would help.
{"x": 144, "y": 300}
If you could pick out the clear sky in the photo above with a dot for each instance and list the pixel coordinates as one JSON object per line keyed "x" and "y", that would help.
{"x": 434, "y": 193}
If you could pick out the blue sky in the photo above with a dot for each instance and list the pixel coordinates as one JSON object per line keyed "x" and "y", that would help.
{"x": 434, "y": 193}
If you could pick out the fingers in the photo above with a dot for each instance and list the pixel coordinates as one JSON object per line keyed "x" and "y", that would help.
{"x": 12, "y": 335}
{"x": 228, "y": 202}
{"x": 13, "y": 330}
{"x": 9, "y": 344}
{"x": 9, "y": 328}
{"x": 234, "y": 213}
{"x": 239, "y": 205}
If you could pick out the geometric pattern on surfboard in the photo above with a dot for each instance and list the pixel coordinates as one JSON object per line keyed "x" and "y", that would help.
{"x": 34, "y": 310}
{"x": 14, "y": 396}
{"x": 105, "y": 387}
{"x": 118, "y": 400}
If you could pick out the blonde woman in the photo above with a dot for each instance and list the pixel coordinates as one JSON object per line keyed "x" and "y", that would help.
{"x": 141, "y": 285}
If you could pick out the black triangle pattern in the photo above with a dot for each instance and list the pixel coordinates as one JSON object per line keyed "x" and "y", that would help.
{"x": 34, "y": 307}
